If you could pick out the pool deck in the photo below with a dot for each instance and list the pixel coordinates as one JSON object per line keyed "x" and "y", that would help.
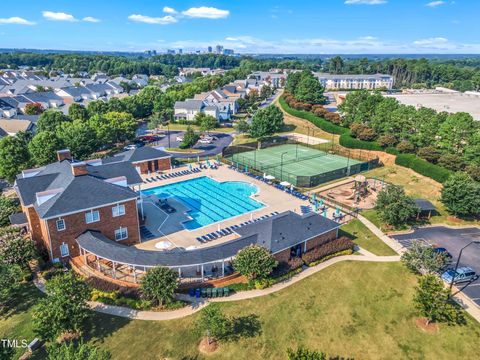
{"x": 169, "y": 228}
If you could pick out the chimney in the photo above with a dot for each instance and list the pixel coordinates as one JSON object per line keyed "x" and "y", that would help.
{"x": 79, "y": 168}
{"x": 64, "y": 155}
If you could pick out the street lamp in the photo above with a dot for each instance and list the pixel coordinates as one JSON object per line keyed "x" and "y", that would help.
{"x": 281, "y": 165}
{"x": 458, "y": 262}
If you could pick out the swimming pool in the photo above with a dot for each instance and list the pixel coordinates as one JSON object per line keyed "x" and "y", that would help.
{"x": 208, "y": 200}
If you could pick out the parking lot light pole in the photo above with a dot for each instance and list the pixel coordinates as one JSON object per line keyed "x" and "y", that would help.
{"x": 458, "y": 262}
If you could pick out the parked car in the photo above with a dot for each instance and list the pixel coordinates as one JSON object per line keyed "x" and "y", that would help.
{"x": 149, "y": 138}
{"x": 179, "y": 138}
{"x": 442, "y": 251}
{"x": 205, "y": 141}
{"x": 463, "y": 274}
{"x": 133, "y": 146}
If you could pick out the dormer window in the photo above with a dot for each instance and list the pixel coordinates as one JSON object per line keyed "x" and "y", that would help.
{"x": 92, "y": 216}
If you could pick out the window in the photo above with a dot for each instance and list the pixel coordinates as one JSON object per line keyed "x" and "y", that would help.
{"x": 64, "y": 250}
{"x": 61, "y": 225}
{"x": 92, "y": 216}
{"x": 118, "y": 210}
{"x": 121, "y": 234}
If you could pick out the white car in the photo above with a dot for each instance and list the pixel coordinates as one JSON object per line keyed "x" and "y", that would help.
{"x": 205, "y": 141}
{"x": 179, "y": 138}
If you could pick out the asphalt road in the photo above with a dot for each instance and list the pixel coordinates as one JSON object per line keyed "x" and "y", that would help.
{"x": 452, "y": 240}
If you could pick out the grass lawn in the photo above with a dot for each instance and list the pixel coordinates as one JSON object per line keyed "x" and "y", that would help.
{"x": 188, "y": 151}
{"x": 183, "y": 127}
{"x": 352, "y": 309}
{"x": 365, "y": 238}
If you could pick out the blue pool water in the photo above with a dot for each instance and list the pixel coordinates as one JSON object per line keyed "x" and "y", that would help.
{"x": 208, "y": 200}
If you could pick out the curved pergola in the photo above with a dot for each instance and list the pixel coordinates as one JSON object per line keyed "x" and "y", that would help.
{"x": 128, "y": 263}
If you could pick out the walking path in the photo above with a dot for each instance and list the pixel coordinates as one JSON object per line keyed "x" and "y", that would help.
{"x": 198, "y": 304}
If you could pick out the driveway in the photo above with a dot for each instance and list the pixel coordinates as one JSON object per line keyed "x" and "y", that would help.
{"x": 215, "y": 148}
{"x": 452, "y": 240}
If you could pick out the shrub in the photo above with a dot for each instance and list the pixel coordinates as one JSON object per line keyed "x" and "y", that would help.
{"x": 254, "y": 262}
{"x": 451, "y": 162}
{"x": 328, "y": 257}
{"x": 367, "y": 134}
{"x": 429, "y": 153}
{"x": 423, "y": 167}
{"x": 319, "y": 110}
{"x": 405, "y": 146}
{"x": 387, "y": 140}
{"x": 284, "y": 267}
{"x": 473, "y": 171}
{"x": 348, "y": 141}
{"x": 8, "y": 206}
{"x": 333, "y": 118}
{"x": 317, "y": 121}
{"x": 331, "y": 247}
{"x": 159, "y": 285}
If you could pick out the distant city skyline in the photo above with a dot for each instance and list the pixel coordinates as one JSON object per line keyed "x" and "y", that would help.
{"x": 267, "y": 26}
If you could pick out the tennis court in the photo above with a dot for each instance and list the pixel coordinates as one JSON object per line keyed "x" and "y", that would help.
{"x": 299, "y": 165}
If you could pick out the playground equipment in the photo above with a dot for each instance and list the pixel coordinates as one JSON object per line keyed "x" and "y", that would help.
{"x": 360, "y": 189}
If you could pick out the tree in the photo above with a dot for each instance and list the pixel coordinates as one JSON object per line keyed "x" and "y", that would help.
{"x": 70, "y": 351}
{"x": 242, "y": 127}
{"x": 422, "y": 259}
{"x": 159, "y": 285}
{"x": 305, "y": 354}
{"x": 266, "y": 122}
{"x": 189, "y": 138}
{"x": 15, "y": 249}
{"x": 309, "y": 89}
{"x": 10, "y": 277}
{"x": 50, "y": 120}
{"x": 79, "y": 137}
{"x": 206, "y": 122}
{"x": 394, "y": 207}
{"x": 78, "y": 112}
{"x": 451, "y": 162}
{"x": 461, "y": 195}
{"x": 254, "y": 262}
{"x": 405, "y": 146}
{"x": 8, "y": 206}
{"x": 44, "y": 146}
{"x": 429, "y": 153}
{"x": 213, "y": 323}
{"x": 122, "y": 125}
{"x": 432, "y": 301}
{"x": 456, "y": 132}
{"x": 33, "y": 109}
{"x": 14, "y": 157}
{"x": 65, "y": 307}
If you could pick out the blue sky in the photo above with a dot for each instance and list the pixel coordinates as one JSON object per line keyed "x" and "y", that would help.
{"x": 247, "y": 26}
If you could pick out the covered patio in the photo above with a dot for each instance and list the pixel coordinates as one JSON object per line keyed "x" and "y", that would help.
{"x": 129, "y": 264}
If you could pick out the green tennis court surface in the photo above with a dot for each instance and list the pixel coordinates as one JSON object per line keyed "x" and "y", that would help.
{"x": 297, "y": 160}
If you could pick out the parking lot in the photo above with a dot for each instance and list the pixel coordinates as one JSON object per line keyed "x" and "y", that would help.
{"x": 452, "y": 240}
{"x": 212, "y": 149}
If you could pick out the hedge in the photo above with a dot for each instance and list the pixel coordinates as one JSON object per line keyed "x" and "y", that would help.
{"x": 319, "y": 122}
{"x": 332, "y": 247}
{"x": 348, "y": 141}
{"x": 423, "y": 167}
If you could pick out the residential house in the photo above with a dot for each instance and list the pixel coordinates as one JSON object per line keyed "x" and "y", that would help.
{"x": 10, "y": 127}
{"x": 7, "y": 110}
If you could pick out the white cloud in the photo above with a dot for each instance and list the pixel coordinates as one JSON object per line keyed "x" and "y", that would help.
{"x": 91, "y": 19}
{"x": 58, "y": 16}
{"x": 206, "y": 12}
{"x": 169, "y": 10}
{"x": 16, "y": 20}
{"x": 365, "y": 2}
{"x": 362, "y": 45}
{"x": 435, "y": 3}
{"x": 165, "y": 20}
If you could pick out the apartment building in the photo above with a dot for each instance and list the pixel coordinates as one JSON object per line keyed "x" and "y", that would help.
{"x": 355, "y": 82}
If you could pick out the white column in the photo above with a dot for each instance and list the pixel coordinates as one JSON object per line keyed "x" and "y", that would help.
{"x": 202, "y": 272}
{"x": 179, "y": 273}
{"x": 305, "y": 247}
{"x": 223, "y": 268}
{"x": 114, "y": 270}
{"x": 134, "y": 274}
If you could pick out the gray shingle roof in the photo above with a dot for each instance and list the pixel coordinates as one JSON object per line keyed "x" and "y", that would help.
{"x": 424, "y": 205}
{"x": 143, "y": 153}
{"x": 275, "y": 233}
{"x": 80, "y": 192}
{"x": 189, "y": 104}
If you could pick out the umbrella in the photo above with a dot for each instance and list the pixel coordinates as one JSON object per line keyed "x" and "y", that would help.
{"x": 163, "y": 245}
{"x": 246, "y": 168}
{"x": 269, "y": 177}
{"x": 337, "y": 211}
{"x": 285, "y": 183}
{"x": 314, "y": 197}
{"x": 325, "y": 213}
{"x": 190, "y": 167}
{"x": 264, "y": 174}
{"x": 315, "y": 206}
{"x": 291, "y": 187}
{"x": 321, "y": 202}
{"x": 208, "y": 163}
{"x": 198, "y": 158}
